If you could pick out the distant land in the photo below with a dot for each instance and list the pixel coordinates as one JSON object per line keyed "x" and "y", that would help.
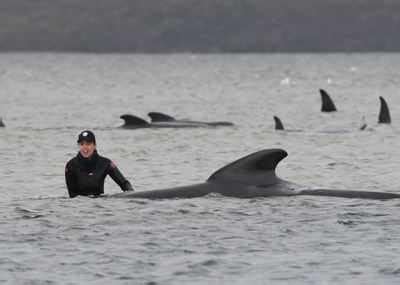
{"x": 205, "y": 26}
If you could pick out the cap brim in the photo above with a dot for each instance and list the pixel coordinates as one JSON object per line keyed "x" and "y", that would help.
{"x": 85, "y": 140}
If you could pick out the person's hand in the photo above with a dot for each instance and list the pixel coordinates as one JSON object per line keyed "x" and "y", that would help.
{"x": 128, "y": 186}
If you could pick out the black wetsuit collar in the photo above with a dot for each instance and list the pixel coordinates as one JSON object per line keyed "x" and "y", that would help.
{"x": 88, "y": 164}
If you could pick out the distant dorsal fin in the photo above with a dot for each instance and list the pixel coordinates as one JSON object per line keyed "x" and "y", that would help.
{"x": 278, "y": 123}
{"x": 363, "y": 124}
{"x": 131, "y": 120}
{"x": 327, "y": 103}
{"x": 160, "y": 117}
{"x": 257, "y": 168}
{"x": 384, "y": 114}
{"x": 1, "y": 123}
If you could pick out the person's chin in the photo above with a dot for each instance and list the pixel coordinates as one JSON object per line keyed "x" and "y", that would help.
{"x": 85, "y": 155}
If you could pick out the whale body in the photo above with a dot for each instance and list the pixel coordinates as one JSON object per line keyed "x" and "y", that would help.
{"x": 249, "y": 177}
{"x": 157, "y": 117}
{"x": 383, "y": 118}
{"x": 134, "y": 122}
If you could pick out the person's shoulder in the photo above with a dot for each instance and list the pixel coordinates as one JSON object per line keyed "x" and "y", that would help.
{"x": 71, "y": 164}
{"x": 72, "y": 161}
{"x": 104, "y": 159}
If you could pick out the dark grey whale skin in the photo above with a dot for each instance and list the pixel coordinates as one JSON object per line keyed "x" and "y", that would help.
{"x": 327, "y": 104}
{"x": 157, "y": 117}
{"x": 250, "y": 177}
{"x": 384, "y": 113}
{"x": 134, "y": 122}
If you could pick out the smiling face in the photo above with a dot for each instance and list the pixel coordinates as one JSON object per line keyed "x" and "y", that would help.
{"x": 86, "y": 149}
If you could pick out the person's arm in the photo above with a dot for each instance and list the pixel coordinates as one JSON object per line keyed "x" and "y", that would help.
{"x": 117, "y": 176}
{"x": 70, "y": 180}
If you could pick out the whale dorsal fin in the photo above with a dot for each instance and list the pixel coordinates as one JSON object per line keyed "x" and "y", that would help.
{"x": 131, "y": 120}
{"x": 327, "y": 103}
{"x": 278, "y": 123}
{"x": 256, "y": 169}
{"x": 384, "y": 114}
{"x": 1, "y": 123}
{"x": 160, "y": 117}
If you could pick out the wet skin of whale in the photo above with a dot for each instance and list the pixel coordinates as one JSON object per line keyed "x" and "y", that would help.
{"x": 249, "y": 177}
{"x": 327, "y": 104}
{"x": 157, "y": 117}
{"x": 384, "y": 114}
{"x": 134, "y": 122}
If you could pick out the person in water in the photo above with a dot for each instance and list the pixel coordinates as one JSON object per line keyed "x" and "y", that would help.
{"x": 86, "y": 172}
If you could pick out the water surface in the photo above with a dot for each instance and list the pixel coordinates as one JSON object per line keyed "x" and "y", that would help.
{"x": 47, "y": 99}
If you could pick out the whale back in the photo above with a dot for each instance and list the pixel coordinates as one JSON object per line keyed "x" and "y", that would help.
{"x": 327, "y": 103}
{"x": 160, "y": 117}
{"x": 255, "y": 169}
{"x": 133, "y": 121}
{"x": 384, "y": 114}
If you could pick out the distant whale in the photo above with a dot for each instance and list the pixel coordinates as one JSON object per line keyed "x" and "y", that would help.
{"x": 157, "y": 117}
{"x": 1, "y": 123}
{"x": 384, "y": 114}
{"x": 279, "y": 126}
{"x": 363, "y": 125}
{"x": 249, "y": 177}
{"x": 134, "y": 122}
{"x": 327, "y": 103}
{"x": 278, "y": 123}
{"x": 383, "y": 118}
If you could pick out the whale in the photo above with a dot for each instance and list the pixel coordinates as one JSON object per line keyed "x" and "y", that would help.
{"x": 327, "y": 104}
{"x": 383, "y": 118}
{"x": 279, "y": 126}
{"x": 384, "y": 114}
{"x": 134, "y": 122}
{"x": 157, "y": 117}
{"x": 278, "y": 123}
{"x": 251, "y": 176}
{"x": 2, "y": 125}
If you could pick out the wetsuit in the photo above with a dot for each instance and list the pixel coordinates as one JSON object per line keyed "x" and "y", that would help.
{"x": 85, "y": 176}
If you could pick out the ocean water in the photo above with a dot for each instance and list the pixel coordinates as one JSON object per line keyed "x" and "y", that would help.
{"x": 47, "y": 238}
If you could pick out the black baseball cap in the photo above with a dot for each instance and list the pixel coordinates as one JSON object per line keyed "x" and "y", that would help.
{"x": 87, "y": 136}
